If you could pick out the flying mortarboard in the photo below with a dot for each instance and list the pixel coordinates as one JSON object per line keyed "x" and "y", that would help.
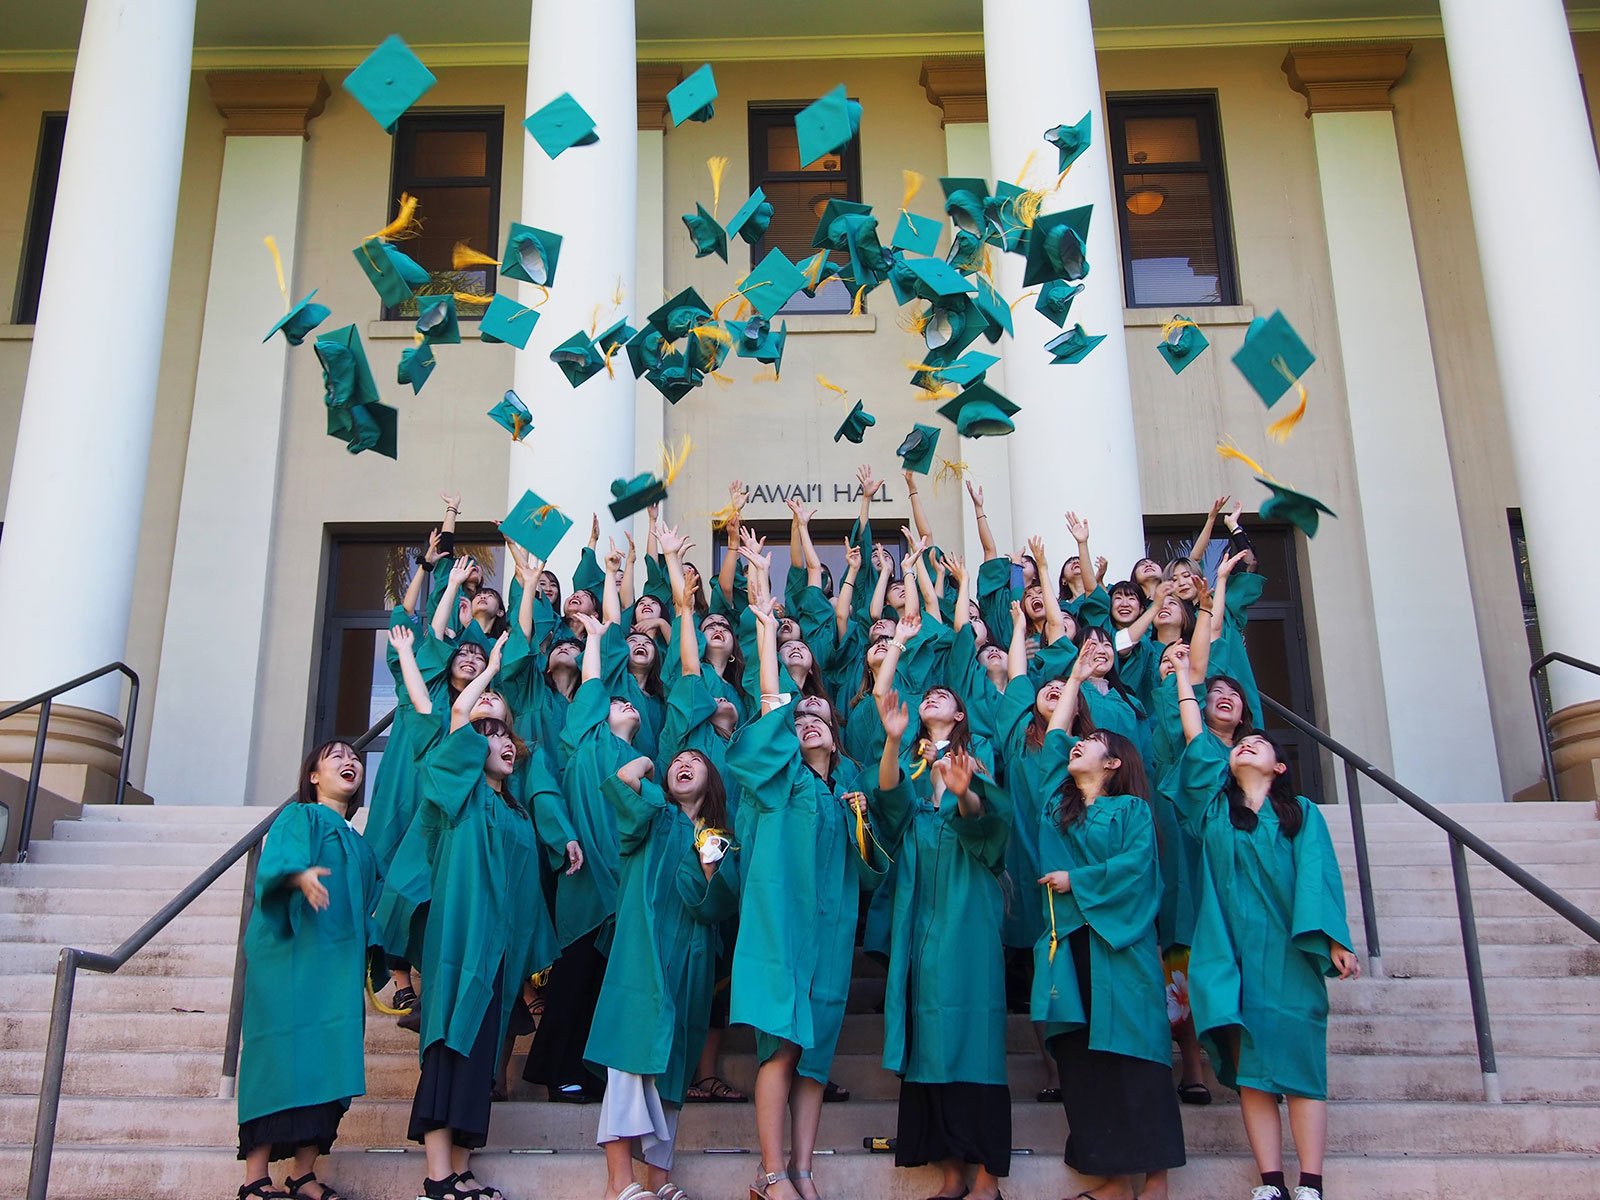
{"x": 966, "y": 251}
{"x": 1272, "y": 357}
{"x": 817, "y": 270}
{"x": 965, "y": 371}
{"x": 708, "y": 346}
{"x": 300, "y": 320}
{"x": 708, "y": 236}
{"x": 1285, "y": 503}
{"x": 1070, "y": 140}
{"x": 389, "y": 80}
{"x": 855, "y": 425}
{"x": 1001, "y": 211}
{"x": 1073, "y": 346}
{"x": 437, "y": 320}
{"x": 965, "y": 199}
{"x": 1181, "y": 342}
{"x": 749, "y": 333}
{"x": 826, "y": 124}
{"x": 560, "y": 125}
{"x": 507, "y": 321}
{"x": 1055, "y": 300}
{"x": 916, "y": 233}
{"x": 952, "y": 326}
{"x": 691, "y": 99}
{"x": 1057, "y": 247}
{"x": 772, "y": 284}
{"x": 936, "y": 278}
{"x": 752, "y": 219}
{"x": 995, "y": 310}
{"x": 531, "y": 255}
{"x": 680, "y": 314}
{"x": 916, "y": 451}
{"x": 614, "y": 336}
{"x": 536, "y": 525}
{"x": 635, "y": 495}
{"x": 346, "y": 377}
{"x": 395, "y": 276}
{"x": 770, "y": 350}
{"x": 578, "y": 359}
{"x": 645, "y": 350}
{"x": 980, "y": 411}
{"x": 832, "y": 228}
{"x": 416, "y": 364}
{"x": 366, "y": 427}
{"x": 674, "y": 377}
{"x": 513, "y": 415}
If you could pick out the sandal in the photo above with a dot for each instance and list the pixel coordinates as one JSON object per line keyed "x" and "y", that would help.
{"x": 832, "y": 1093}
{"x": 713, "y": 1090}
{"x": 569, "y": 1093}
{"x": 410, "y": 1018}
{"x": 763, "y": 1183}
{"x": 962, "y": 1195}
{"x": 264, "y": 1189}
{"x": 798, "y": 1174}
{"x": 294, "y": 1186}
{"x": 1194, "y": 1093}
{"x": 1049, "y": 1095}
{"x": 671, "y": 1191}
{"x": 480, "y": 1189}
{"x": 448, "y": 1188}
{"x": 634, "y": 1191}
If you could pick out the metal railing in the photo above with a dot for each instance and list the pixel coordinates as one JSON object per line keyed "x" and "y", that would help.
{"x": 44, "y": 702}
{"x": 1462, "y": 839}
{"x": 1539, "y": 665}
{"x": 73, "y": 960}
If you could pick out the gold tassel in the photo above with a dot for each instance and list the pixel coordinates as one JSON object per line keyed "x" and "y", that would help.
{"x": 814, "y": 272}
{"x": 1178, "y": 323}
{"x": 619, "y": 294}
{"x": 956, "y": 470}
{"x": 406, "y": 225}
{"x": 611, "y": 371}
{"x": 770, "y": 375}
{"x": 1280, "y": 429}
{"x": 1027, "y": 165}
{"x": 516, "y": 427}
{"x": 724, "y": 380}
{"x": 712, "y": 333}
{"x": 277, "y": 265}
{"x": 855, "y": 305}
{"x": 1054, "y": 940}
{"x": 1023, "y": 297}
{"x": 861, "y": 826}
{"x": 914, "y": 321}
{"x": 913, "y": 181}
{"x": 540, "y": 978}
{"x": 382, "y": 1008}
{"x": 716, "y": 164}
{"x": 672, "y": 463}
{"x": 716, "y": 311}
{"x": 1227, "y": 448}
{"x": 723, "y": 515}
{"x": 463, "y": 257}
{"x": 543, "y": 511}
{"x": 943, "y": 392}
{"x": 471, "y": 298}
{"x": 831, "y": 386}
{"x": 1026, "y": 208}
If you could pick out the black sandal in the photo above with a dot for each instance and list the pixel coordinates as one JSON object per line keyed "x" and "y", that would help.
{"x": 411, "y": 1019}
{"x": 483, "y": 1189}
{"x": 449, "y": 1188}
{"x": 294, "y": 1185}
{"x": 1194, "y": 1093}
{"x": 832, "y": 1093}
{"x": 1048, "y": 1095}
{"x": 264, "y": 1189}
{"x": 714, "y": 1090}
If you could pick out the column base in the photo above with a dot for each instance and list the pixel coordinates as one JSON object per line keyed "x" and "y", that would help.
{"x": 82, "y": 750}
{"x": 1575, "y": 750}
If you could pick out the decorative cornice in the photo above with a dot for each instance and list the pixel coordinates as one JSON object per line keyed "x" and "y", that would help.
{"x": 955, "y": 84}
{"x": 268, "y": 103}
{"x": 655, "y": 81}
{"x": 1346, "y": 76}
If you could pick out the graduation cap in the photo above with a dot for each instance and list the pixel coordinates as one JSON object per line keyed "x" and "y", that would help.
{"x": 965, "y": 199}
{"x": 826, "y": 124}
{"x": 366, "y": 427}
{"x": 691, "y": 100}
{"x": 855, "y": 425}
{"x": 1181, "y": 342}
{"x": 300, "y": 320}
{"x": 531, "y": 255}
{"x": 935, "y": 278}
{"x": 1010, "y": 232}
{"x": 995, "y": 310}
{"x": 346, "y": 377}
{"x": 1057, "y": 247}
{"x": 749, "y": 333}
{"x": 1070, "y": 140}
{"x": 416, "y": 364}
{"x": 614, "y": 337}
{"x": 980, "y": 411}
{"x": 536, "y": 525}
{"x": 916, "y": 233}
{"x": 437, "y": 320}
{"x": 772, "y": 284}
{"x": 816, "y": 271}
{"x": 1273, "y": 357}
{"x": 916, "y": 450}
{"x": 965, "y": 371}
{"x": 395, "y": 276}
{"x": 513, "y": 415}
{"x": 560, "y": 125}
{"x": 389, "y": 80}
{"x": 953, "y": 325}
{"x": 770, "y": 349}
{"x": 966, "y": 251}
{"x": 635, "y": 495}
{"x": 751, "y": 221}
{"x": 674, "y": 377}
{"x": 832, "y": 232}
{"x": 1055, "y": 300}
{"x": 1284, "y": 503}
{"x": 708, "y": 236}
{"x": 902, "y": 279}
{"x": 680, "y": 314}
{"x": 578, "y": 359}
{"x": 507, "y": 321}
{"x": 645, "y": 350}
{"x": 708, "y": 346}
{"x": 1073, "y": 346}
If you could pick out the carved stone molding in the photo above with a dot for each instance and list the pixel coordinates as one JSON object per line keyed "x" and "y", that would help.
{"x": 268, "y": 103}
{"x": 1346, "y": 76}
{"x": 655, "y": 81}
{"x": 955, "y": 83}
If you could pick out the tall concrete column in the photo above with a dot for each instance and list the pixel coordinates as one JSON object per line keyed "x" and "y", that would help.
{"x": 1074, "y": 445}
{"x": 955, "y": 83}
{"x": 83, "y": 443}
{"x": 582, "y": 439}
{"x": 1435, "y": 691}
{"x": 230, "y": 476}
{"x": 1535, "y": 191}
{"x": 650, "y": 277}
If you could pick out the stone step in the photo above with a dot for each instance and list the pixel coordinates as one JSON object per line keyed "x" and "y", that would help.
{"x": 1470, "y": 815}
{"x": 173, "y": 814}
{"x": 168, "y": 852}
{"x": 217, "y": 834}
{"x": 1529, "y": 853}
{"x": 219, "y": 900}
{"x": 92, "y": 1173}
{"x": 169, "y": 880}
{"x": 1559, "y": 876}
{"x": 1505, "y": 962}
{"x": 83, "y": 930}
{"x": 1486, "y": 902}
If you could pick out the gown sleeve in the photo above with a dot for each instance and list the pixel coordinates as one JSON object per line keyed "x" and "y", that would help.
{"x": 452, "y": 770}
{"x": 1094, "y": 608}
{"x": 1244, "y": 589}
{"x": 690, "y": 705}
{"x": 636, "y": 811}
{"x": 1319, "y": 912}
{"x": 588, "y": 575}
{"x": 1202, "y": 774}
{"x": 766, "y": 759}
{"x": 994, "y": 597}
{"x": 818, "y": 628}
{"x": 985, "y": 835}
{"x": 1119, "y": 897}
{"x": 893, "y": 807}
{"x": 289, "y": 848}
{"x": 587, "y": 715}
{"x": 1054, "y": 757}
{"x": 709, "y": 901}
{"x": 548, "y": 807}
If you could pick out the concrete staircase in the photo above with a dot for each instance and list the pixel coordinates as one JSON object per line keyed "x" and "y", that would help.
{"x": 139, "y": 1117}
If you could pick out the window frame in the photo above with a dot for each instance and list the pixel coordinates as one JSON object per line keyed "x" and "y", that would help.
{"x": 763, "y": 115}
{"x": 1203, "y": 107}
{"x": 403, "y": 177}
{"x": 47, "y": 160}
{"x": 832, "y": 530}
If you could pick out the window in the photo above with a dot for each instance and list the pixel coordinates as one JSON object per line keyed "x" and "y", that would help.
{"x": 52, "y": 136}
{"x": 799, "y": 195}
{"x": 367, "y": 576}
{"x": 1172, "y": 202}
{"x": 829, "y": 537}
{"x": 1530, "y": 608}
{"x": 1276, "y": 635}
{"x": 450, "y": 161}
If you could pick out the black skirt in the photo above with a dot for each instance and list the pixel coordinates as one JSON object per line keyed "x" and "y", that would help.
{"x": 556, "y": 1057}
{"x": 969, "y": 1122}
{"x": 293, "y": 1129}
{"x": 453, "y": 1092}
{"x": 1122, "y": 1112}
{"x": 1019, "y": 979}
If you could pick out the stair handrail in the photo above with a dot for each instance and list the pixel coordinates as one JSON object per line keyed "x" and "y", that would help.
{"x": 1539, "y": 665}
{"x": 1462, "y": 839}
{"x": 44, "y": 702}
{"x": 72, "y": 960}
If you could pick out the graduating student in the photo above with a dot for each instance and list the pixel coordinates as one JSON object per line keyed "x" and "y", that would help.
{"x": 301, "y": 1059}
{"x": 679, "y": 879}
{"x": 1270, "y": 930}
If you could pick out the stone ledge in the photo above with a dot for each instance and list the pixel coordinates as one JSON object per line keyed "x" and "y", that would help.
{"x": 1202, "y": 314}
{"x": 16, "y": 333}
{"x": 378, "y": 331}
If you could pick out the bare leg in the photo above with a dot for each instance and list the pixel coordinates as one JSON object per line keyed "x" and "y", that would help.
{"x": 773, "y": 1081}
{"x": 440, "y": 1153}
{"x": 460, "y": 1159}
{"x": 1308, "y": 1124}
{"x": 986, "y": 1187}
{"x": 255, "y": 1164}
{"x": 955, "y": 1179}
{"x": 1263, "y": 1127}
{"x": 619, "y": 1167}
{"x": 708, "y": 1056}
{"x": 1155, "y": 1186}
{"x": 805, "y": 1118}
{"x": 1194, "y": 1063}
{"x": 400, "y": 979}
{"x": 1052, "y": 1077}
{"x": 655, "y": 1178}
{"x": 305, "y": 1163}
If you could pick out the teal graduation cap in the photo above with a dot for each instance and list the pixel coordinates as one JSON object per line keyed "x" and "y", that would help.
{"x": 579, "y": 359}
{"x": 560, "y": 125}
{"x": 645, "y": 350}
{"x": 674, "y": 377}
{"x": 855, "y": 426}
{"x": 1055, "y": 300}
{"x": 965, "y": 202}
{"x": 680, "y": 314}
{"x": 1181, "y": 343}
{"x": 916, "y": 450}
{"x": 1009, "y": 231}
{"x": 1070, "y": 140}
{"x": 531, "y": 255}
{"x": 536, "y": 525}
{"x": 772, "y": 284}
{"x": 614, "y": 337}
{"x": 980, "y": 411}
{"x": 395, "y": 276}
{"x": 1073, "y": 346}
{"x": 995, "y": 310}
{"x": 1057, "y": 247}
{"x": 507, "y": 321}
{"x": 346, "y": 376}
{"x": 753, "y": 218}
{"x": 300, "y": 320}
{"x": 1287, "y": 504}
{"x": 1272, "y": 357}
{"x": 916, "y": 233}
{"x": 817, "y": 270}
{"x": 635, "y": 495}
{"x": 826, "y": 124}
{"x": 965, "y": 371}
{"x": 513, "y": 416}
{"x": 389, "y": 81}
{"x": 691, "y": 99}
{"x": 416, "y": 364}
{"x": 363, "y": 427}
{"x": 437, "y": 320}
{"x": 707, "y": 235}
{"x": 936, "y": 279}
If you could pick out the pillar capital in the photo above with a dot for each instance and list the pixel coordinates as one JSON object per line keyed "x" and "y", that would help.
{"x": 956, "y": 84}
{"x": 655, "y": 81}
{"x": 268, "y": 103}
{"x": 1346, "y": 76}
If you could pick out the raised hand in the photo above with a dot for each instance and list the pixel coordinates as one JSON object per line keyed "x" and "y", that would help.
{"x": 401, "y": 638}
{"x": 976, "y": 493}
{"x": 1229, "y": 562}
{"x": 594, "y": 530}
{"x": 309, "y": 882}
{"x": 801, "y": 513}
{"x": 1232, "y": 519}
{"x": 1218, "y": 505}
{"x": 1078, "y": 528}
{"x": 869, "y": 483}
{"x": 499, "y": 648}
{"x": 517, "y": 554}
{"x": 907, "y": 627}
{"x": 671, "y": 541}
{"x": 451, "y": 500}
{"x": 957, "y": 770}
{"x": 1036, "y": 549}
{"x": 852, "y": 556}
{"x": 957, "y": 568}
{"x": 895, "y": 715}
{"x": 460, "y": 569}
{"x": 1101, "y": 563}
{"x": 613, "y": 559}
{"x": 432, "y": 555}
{"x": 591, "y": 625}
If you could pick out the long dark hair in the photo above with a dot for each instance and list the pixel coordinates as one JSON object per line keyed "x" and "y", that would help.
{"x": 449, "y": 670}
{"x": 500, "y": 623}
{"x": 867, "y": 677}
{"x": 961, "y": 731}
{"x": 493, "y": 727}
{"x": 701, "y": 605}
{"x": 1243, "y": 729}
{"x": 733, "y": 672}
{"x": 1038, "y": 724}
{"x": 1281, "y": 792}
{"x": 651, "y": 685}
{"x": 307, "y": 791}
{"x": 714, "y": 801}
{"x": 1129, "y": 778}
{"x": 1113, "y": 677}
{"x": 555, "y": 579}
{"x": 1131, "y": 588}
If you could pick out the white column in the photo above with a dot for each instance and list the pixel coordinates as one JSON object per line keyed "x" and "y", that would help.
{"x": 582, "y": 439}
{"x": 1535, "y": 190}
{"x": 230, "y": 477}
{"x": 1435, "y": 693}
{"x": 1079, "y": 416}
{"x": 650, "y": 272}
{"x": 83, "y": 444}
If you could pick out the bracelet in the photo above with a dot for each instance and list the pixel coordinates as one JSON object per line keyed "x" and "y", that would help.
{"x": 1190, "y": 699}
{"x": 983, "y": 516}
{"x": 910, "y": 494}
{"x": 847, "y": 583}
{"x": 450, "y": 509}
{"x": 1205, "y": 610}
{"x": 898, "y": 645}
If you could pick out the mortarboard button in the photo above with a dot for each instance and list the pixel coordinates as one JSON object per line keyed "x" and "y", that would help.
{"x": 389, "y": 80}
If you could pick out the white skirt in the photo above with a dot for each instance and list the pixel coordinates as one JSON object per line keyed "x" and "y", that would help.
{"x": 632, "y": 1108}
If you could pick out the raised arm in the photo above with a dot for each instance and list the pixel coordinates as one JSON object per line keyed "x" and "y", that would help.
{"x": 610, "y": 598}
{"x": 801, "y": 532}
{"x": 625, "y": 589}
{"x": 1054, "y": 627}
{"x": 869, "y": 484}
{"x": 767, "y": 652}
{"x": 1198, "y": 550}
{"x": 416, "y": 691}
{"x": 904, "y": 631}
{"x": 896, "y": 718}
{"x": 1072, "y": 691}
{"x": 591, "y": 645}
{"x": 1017, "y": 652}
{"x": 413, "y": 596}
{"x": 459, "y": 570}
{"x": 682, "y": 603}
{"x": 757, "y": 565}
{"x": 651, "y": 549}
{"x": 528, "y": 569}
{"x": 847, "y": 589}
{"x": 958, "y": 575}
{"x": 447, "y": 527}
{"x": 927, "y": 592}
{"x": 737, "y": 495}
{"x": 957, "y": 771}
{"x": 1188, "y": 704}
{"x": 884, "y": 561}
{"x": 461, "y": 710}
{"x": 918, "y": 517}
{"x": 985, "y": 535}
{"x": 1079, "y": 529}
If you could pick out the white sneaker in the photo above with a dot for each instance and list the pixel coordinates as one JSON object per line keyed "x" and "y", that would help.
{"x": 1267, "y": 1192}
{"x": 1307, "y": 1193}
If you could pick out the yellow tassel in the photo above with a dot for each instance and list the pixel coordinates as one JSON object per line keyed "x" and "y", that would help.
{"x": 619, "y": 294}
{"x": 956, "y": 470}
{"x": 543, "y": 511}
{"x": 914, "y": 321}
{"x": 913, "y": 186}
{"x": 1027, "y": 165}
{"x": 716, "y": 311}
{"x": 471, "y": 298}
{"x": 543, "y": 299}
{"x": 1176, "y": 324}
{"x": 724, "y": 380}
{"x": 716, "y": 164}
{"x": 541, "y": 978}
{"x": 1023, "y": 297}
{"x": 516, "y": 427}
{"x": 406, "y": 225}
{"x": 382, "y": 1008}
{"x": 922, "y": 769}
{"x": 861, "y": 827}
{"x": 814, "y": 272}
{"x": 611, "y": 371}
{"x": 770, "y": 375}
{"x": 723, "y": 515}
{"x": 712, "y": 333}
{"x": 943, "y": 392}
{"x": 277, "y": 265}
{"x": 831, "y": 386}
{"x": 463, "y": 256}
{"x": 1026, "y": 208}
{"x": 855, "y": 305}
{"x": 1227, "y": 448}
{"x": 1280, "y": 429}
{"x": 1054, "y": 940}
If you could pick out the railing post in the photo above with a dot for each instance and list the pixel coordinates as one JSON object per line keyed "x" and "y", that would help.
{"x": 31, "y": 801}
{"x": 1358, "y": 832}
{"x": 1480, "y": 999}
{"x": 127, "y": 737}
{"x": 55, "y": 1061}
{"x": 1544, "y": 727}
{"x": 230, "y": 1053}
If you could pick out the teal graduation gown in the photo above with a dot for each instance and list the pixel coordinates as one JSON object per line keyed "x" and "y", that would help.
{"x": 1032, "y": 780}
{"x": 588, "y": 899}
{"x": 394, "y": 785}
{"x": 305, "y": 997}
